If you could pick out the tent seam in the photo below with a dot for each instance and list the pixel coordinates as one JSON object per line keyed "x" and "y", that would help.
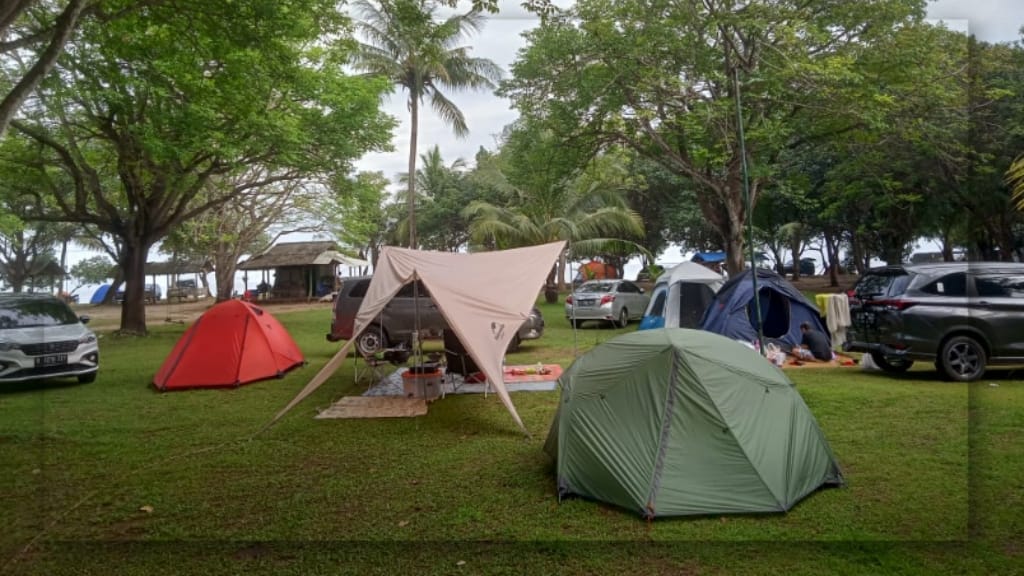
{"x": 245, "y": 336}
{"x": 177, "y": 361}
{"x": 659, "y": 462}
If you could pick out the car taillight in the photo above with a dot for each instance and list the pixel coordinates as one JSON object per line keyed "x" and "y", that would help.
{"x": 607, "y": 298}
{"x": 894, "y": 304}
{"x": 568, "y": 299}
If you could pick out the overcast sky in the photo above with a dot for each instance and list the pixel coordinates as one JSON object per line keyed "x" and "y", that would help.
{"x": 487, "y": 114}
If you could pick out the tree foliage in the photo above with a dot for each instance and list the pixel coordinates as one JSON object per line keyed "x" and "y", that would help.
{"x": 661, "y": 78}
{"x": 145, "y": 110}
{"x": 92, "y": 270}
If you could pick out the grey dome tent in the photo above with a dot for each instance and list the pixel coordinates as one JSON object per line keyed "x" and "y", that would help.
{"x": 680, "y": 296}
{"x": 677, "y": 422}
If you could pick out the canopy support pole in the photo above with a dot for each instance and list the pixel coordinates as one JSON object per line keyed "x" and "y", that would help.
{"x": 749, "y": 209}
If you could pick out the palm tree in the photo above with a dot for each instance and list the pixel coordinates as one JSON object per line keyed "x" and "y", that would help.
{"x": 441, "y": 194}
{"x": 407, "y": 45}
{"x": 1015, "y": 179}
{"x": 593, "y": 219}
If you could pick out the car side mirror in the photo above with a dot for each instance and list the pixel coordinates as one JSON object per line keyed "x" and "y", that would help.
{"x": 83, "y": 319}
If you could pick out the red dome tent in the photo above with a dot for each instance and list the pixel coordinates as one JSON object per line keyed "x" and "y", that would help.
{"x": 231, "y": 344}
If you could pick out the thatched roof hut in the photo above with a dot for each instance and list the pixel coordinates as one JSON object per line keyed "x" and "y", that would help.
{"x": 302, "y": 269}
{"x": 176, "y": 268}
{"x": 321, "y": 252}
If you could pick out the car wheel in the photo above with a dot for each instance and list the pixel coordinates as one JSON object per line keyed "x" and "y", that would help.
{"x": 891, "y": 364}
{"x": 87, "y": 378}
{"x": 371, "y": 341}
{"x": 962, "y": 359}
{"x": 513, "y": 346}
{"x": 623, "y": 318}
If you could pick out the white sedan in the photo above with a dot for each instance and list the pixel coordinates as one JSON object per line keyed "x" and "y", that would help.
{"x": 615, "y": 301}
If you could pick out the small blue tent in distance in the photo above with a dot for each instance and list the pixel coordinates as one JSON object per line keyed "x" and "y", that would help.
{"x": 783, "y": 308}
{"x": 97, "y": 296}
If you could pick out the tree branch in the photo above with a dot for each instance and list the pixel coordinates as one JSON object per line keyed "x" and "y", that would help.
{"x": 63, "y": 29}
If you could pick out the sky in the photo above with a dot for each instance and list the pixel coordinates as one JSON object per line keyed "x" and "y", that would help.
{"x": 501, "y": 39}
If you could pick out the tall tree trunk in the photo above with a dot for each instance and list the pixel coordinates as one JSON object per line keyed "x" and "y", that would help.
{"x": 776, "y": 251}
{"x": 225, "y": 266}
{"x": 857, "y": 248}
{"x": 832, "y": 250}
{"x": 108, "y": 298}
{"x": 133, "y": 308}
{"x": 414, "y": 111}
{"x": 560, "y": 271}
{"x": 797, "y": 250}
{"x": 17, "y": 266}
{"x": 63, "y": 263}
{"x": 552, "y": 284}
{"x": 947, "y": 245}
{"x": 225, "y": 277}
{"x": 733, "y": 234}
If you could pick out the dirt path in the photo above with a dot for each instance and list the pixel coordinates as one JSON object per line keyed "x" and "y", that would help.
{"x": 109, "y": 317}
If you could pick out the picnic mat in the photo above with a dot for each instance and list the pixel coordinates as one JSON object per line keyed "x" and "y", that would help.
{"x": 840, "y": 361}
{"x": 375, "y": 407}
{"x": 517, "y": 379}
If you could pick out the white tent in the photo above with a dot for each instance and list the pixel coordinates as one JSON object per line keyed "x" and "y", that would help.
{"x": 680, "y": 296}
{"x": 484, "y": 297}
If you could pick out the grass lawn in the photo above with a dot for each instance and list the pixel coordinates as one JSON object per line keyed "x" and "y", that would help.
{"x": 935, "y": 480}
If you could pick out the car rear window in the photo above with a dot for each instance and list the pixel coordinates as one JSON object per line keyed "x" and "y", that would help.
{"x": 33, "y": 314}
{"x": 883, "y": 284}
{"x": 597, "y": 287}
{"x": 407, "y": 290}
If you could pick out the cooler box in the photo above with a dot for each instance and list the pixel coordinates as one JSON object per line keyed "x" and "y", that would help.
{"x": 422, "y": 384}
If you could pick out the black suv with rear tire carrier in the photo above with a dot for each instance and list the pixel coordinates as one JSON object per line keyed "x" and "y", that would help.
{"x": 962, "y": 316}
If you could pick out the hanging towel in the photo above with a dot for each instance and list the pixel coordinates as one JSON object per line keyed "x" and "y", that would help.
{"x": 838, "y": 317}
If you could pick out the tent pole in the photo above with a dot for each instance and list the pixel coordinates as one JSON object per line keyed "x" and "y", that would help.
{"x": 750, "y": 218}
{"x": 575, "y": 331}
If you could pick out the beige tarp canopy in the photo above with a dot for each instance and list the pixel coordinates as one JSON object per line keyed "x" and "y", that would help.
{"x": 484, "y": 297}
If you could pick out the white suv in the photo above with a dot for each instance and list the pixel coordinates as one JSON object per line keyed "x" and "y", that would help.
{"x": 40, "y": 337}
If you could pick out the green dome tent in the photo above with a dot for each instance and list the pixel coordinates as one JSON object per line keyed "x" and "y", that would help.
{"x": 677, "y": 422}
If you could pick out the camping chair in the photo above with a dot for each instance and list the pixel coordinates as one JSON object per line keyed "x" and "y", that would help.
{"x": 372, "y": 368}
{"x": 458, "y": 361}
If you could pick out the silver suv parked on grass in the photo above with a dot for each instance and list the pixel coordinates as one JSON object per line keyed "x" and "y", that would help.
{"x": 396, "y": 323}
{"x": 961, "y": 316}
{"x": 40, "y": 338}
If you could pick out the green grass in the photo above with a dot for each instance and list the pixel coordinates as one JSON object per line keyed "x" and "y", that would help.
{"x": 935, "y": 478}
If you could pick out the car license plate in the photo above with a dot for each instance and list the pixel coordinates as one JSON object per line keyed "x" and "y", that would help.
{"x": 586, "y": 302}
{"x": 53, "y": 360}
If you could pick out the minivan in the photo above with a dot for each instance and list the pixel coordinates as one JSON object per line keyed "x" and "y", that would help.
{"x": 960, "y": 316}
{"x": 396, "y": 323}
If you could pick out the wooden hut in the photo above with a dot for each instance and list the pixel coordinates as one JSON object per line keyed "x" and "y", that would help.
{"x": 302, "y": 270}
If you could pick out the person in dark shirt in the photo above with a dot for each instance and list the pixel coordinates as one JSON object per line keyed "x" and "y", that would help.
{"x": 813, "y": 342}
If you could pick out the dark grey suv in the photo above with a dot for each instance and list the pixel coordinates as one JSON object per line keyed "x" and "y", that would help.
{"x": 961, "y": 316}
{"x": 395, "y": 324}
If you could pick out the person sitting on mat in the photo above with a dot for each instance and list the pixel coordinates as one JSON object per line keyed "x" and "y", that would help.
{"x": 813, "y": 346}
